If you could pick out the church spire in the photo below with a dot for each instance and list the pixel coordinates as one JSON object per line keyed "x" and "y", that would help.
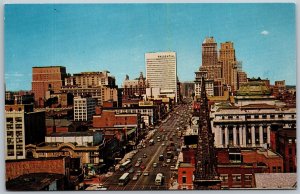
{"x": 206, "y": 176}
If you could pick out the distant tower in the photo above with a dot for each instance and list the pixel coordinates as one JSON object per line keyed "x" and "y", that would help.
{"x": 206, "y": 176}
{"x": 210, "y": 57}
{"x": 229, "y": 64}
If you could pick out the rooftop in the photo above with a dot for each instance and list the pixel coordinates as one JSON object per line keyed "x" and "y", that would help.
{"x": 276, "y": 180}
{"x": 32, "y": 182}
{"x": 72, "y": 134}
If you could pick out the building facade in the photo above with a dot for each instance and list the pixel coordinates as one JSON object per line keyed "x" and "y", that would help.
{"x": 47, "y": 79}
{"x": 210, "y": 61}
{"x": 99, "y": 93}
{"x": 22, "y": 126}
{"x": 91, "y": 79}
{"x": 84, "y": 108}
{"x": 229, "y": 64}
{"x": 161, "y": 71}
{"x": 136, "y": 87}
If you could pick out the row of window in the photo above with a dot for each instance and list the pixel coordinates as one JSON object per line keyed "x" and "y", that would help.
{"x": 263, "y": 116}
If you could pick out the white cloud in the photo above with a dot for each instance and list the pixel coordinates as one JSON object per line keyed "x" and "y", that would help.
{"x": 264, "y": 32}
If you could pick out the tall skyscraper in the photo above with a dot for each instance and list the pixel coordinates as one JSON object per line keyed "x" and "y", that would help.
{"x": 161, "y": 71}
{"x": 229, "y": 64}
{"x": 47, "y": 79}
{"x": 210, "y": 59}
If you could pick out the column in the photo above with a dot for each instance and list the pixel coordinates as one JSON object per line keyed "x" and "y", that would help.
{"x": 226, "y": 136}
{"x": 240, "y": 136}
{"x": 268, "y": 135}
{"x": 244, "y": 137}
{"x": 261, "y": 138}
{"x": 234, "y": 136}
{"x": 253, "y": 135}
{"x": 221, "y": 136}
{"x": 217, "y": 135}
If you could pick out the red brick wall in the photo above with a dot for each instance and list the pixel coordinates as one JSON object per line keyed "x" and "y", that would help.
{"x": 273, "y": 140}
{"x": 58, "y": 129}
{"x": 189, "y": 171}
{"x": 18, "y": 168}
{"x": 254, "y": 157}
{"x": 109, "y": 119}
{"x": 223, "y": 156}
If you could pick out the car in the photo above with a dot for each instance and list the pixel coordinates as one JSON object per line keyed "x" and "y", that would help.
{"x": 172, "y": 167}
{"x": 164, "y": 164}
{"x": 100, "y": 188}
{"x": 131, "y": 170}
{"x": 163, "y": 144}
{"x": 137, "y": 164}
{"x": 135, "y": 177}
{"x": 145, "y": 156}
{"x": 142, "y": 166}
{"x": 138, "y": 173}
{"x": 154, "y": 165}
{"x": 139, "y": 159}
{"x": 168, "y": 160}
{"x": 158, "y": 140}
{"x": 144, "y": 145}
{"x": 146, "y": 173}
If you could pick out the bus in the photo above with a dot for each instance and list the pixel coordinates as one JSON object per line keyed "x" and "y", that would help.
{"x": 123, "y": 180}
{"x": 125, "y": 165}
{"x": 159, "y": 179}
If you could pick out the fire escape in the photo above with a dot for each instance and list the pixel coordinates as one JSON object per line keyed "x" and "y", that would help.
{"x": 205, "y": 174}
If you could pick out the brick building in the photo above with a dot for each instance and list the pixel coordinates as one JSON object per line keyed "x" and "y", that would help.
{"x": 30, "y": 171}
{"x": 235, "y": 166}
{"x": 47, "y": 79}
{"x": 286, "y": 146}
{"x": 109, "y": 118}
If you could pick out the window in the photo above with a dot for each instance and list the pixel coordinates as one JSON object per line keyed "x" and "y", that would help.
{"x": 264, "y": 116}
{"x": 256, "y": 116}
{"x": 224, "y": 178}
{"x": 248, "y": 177}
{"x": 272, "y": 116}
{"x": 183, "y": 179}
{"x": 274, "y": 169}
{"x": 279, "y": 168}
{"x": 280, "y": 116}
{"x": 236, "y": 178}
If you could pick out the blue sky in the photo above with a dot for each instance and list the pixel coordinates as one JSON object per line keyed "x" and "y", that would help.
{"x": 115, "y": 37}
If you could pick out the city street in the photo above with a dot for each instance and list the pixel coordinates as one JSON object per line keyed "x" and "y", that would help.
{"x": 166, "y": 140}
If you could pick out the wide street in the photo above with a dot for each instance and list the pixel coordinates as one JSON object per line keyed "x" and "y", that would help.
{"x": 167, "y": 142}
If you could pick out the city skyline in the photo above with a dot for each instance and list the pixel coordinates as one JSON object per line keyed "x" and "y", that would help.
{"x": 80, "y": 38}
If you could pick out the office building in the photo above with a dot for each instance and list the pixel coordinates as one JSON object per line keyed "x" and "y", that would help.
{"x": 84, "y": 108}
{"x": 161, "y": 71}
{"x": 22, "y": 127}
{"x": 45, "y": 80}
{"x": 229, "y": 64}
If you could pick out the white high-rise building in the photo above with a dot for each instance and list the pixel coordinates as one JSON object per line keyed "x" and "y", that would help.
{"x": 161, "y": 71}
{"x": 84, "y": 108}
{"x": 14, "y": 133}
